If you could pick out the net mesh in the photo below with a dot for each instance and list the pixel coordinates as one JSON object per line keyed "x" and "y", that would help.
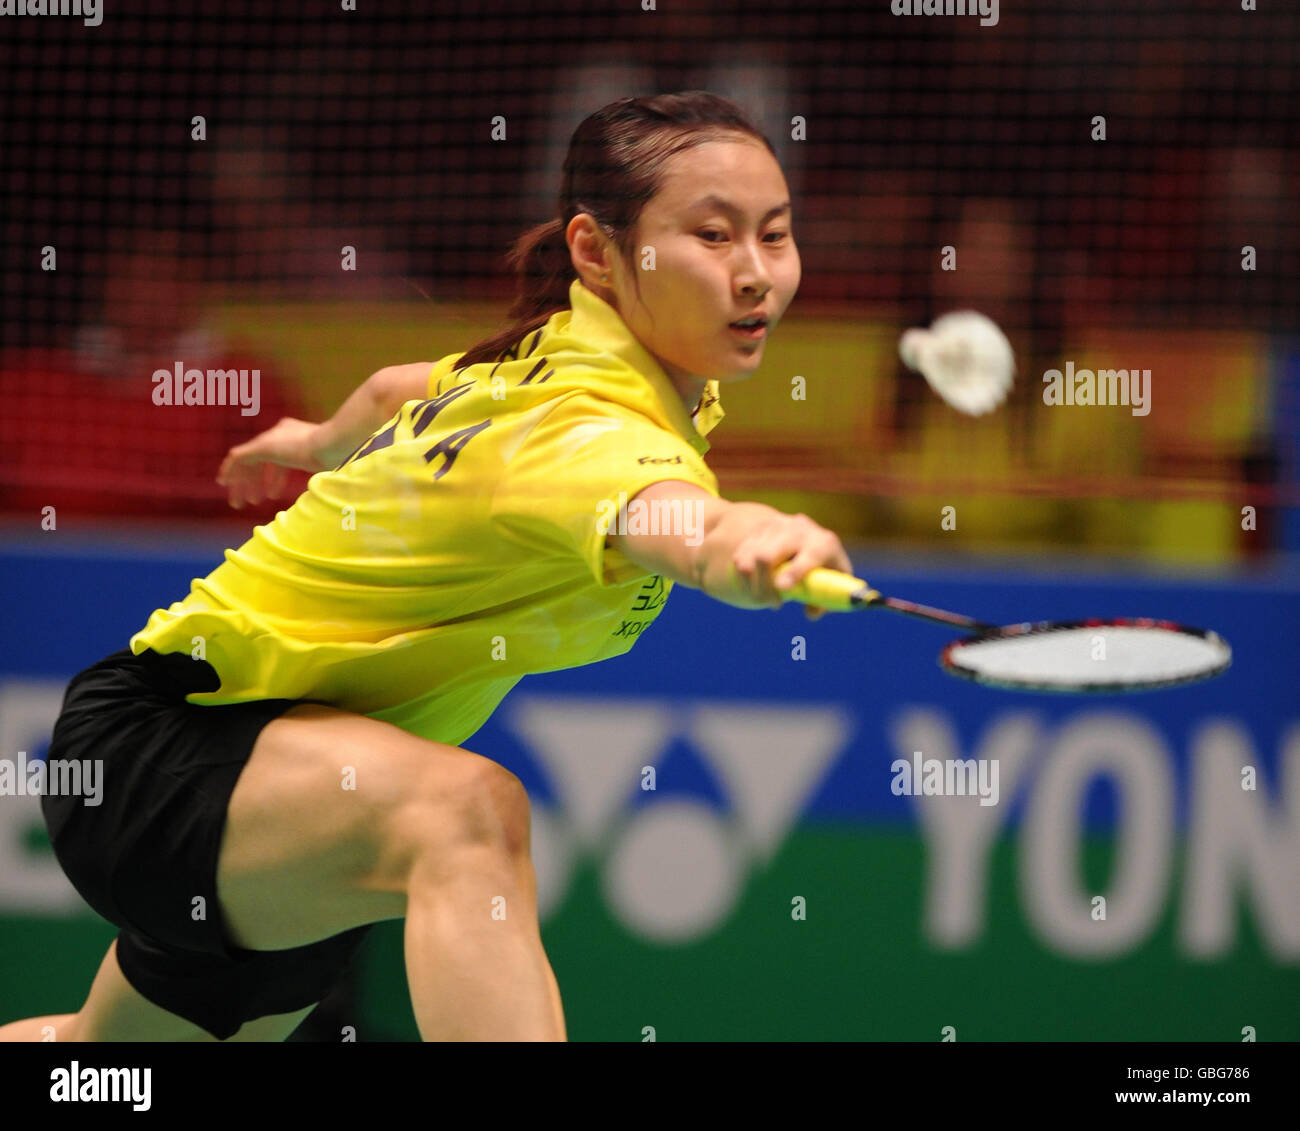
{"x": 1114, "y": 183}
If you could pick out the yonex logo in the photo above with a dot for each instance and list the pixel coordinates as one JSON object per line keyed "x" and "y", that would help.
{"x": 672, "y": 870}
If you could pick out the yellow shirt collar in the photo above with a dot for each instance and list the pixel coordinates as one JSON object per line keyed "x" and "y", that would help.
{"x": 593, "y": 320}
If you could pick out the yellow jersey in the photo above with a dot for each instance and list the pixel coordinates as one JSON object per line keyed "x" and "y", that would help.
{"x": 461, "y": 547}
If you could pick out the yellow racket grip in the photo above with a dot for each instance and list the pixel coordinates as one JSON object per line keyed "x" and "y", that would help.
{"x": 831, "y": 589}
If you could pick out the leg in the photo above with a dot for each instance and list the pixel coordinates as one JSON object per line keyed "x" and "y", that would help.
{"x": 115, "y": 1011}
{"x": 58, "y": 1027}
{"x": 432, "y": 833}
{"x": 426, "y": 829}
{"x": 429, "y": 832}
{"x": 474, "y": 956}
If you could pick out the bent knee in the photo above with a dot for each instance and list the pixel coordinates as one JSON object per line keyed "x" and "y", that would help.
{"x": 497, "y": 809}
{"x": 477, "y": 805}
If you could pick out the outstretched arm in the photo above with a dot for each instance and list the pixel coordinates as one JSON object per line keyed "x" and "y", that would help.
{"x": 743, "y": 554}
{"x": 378, "y": 397}
{"x": 256, "y": 470}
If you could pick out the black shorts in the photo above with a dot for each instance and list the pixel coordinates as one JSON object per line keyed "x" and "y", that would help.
{"x": 145, "y": 857}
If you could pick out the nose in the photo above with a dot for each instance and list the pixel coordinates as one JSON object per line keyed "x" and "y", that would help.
{"x": 752, "y": 274}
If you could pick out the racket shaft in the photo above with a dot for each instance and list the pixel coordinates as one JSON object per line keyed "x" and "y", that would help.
{"x": 940, "y": 616}
{"x": 841, "y": 592}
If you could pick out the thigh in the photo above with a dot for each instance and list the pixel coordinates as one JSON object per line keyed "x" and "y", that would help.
{"x": 323, "y": 821}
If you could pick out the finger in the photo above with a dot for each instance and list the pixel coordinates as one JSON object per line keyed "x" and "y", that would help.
{"x": 748, "y": 569}
{"x": 275, "y": 478}
{"x": 784, "y": 549}
{"x": 766, "y": 564}
{"x": 816, "y": 552}
{"x": 237, "y": 453}
{"x": 745, "y": 575}
{"x": 792, "y": 572}
{"x": 762, "y": 558}
{"x": 250, "y": 486}
{"x": 231, "y": 465}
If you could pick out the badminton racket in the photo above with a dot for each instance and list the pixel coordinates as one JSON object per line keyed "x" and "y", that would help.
{"x": 1096, "y": 655}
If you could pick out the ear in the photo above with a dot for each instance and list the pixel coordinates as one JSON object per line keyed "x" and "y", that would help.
{"x": 589, "y": 248}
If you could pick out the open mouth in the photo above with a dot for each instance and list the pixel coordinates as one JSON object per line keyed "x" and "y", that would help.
{"x": 750, "y": 328}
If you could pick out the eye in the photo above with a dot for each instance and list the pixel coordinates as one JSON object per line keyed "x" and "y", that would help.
{"x": 713, "y": 232}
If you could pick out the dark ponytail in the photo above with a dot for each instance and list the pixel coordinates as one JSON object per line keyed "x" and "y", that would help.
{"x": 614, "y": 167}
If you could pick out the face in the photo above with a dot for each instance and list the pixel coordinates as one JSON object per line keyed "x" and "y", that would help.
{"x": 716, "y": 261}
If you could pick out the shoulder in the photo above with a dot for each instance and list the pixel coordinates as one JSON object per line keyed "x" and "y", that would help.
{"x": 438, "y": 370}
{"x": 581, "y": 417}
{"x": 588, "y": 443}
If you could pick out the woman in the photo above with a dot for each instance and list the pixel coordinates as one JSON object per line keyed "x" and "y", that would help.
{"x": 282, "y": 748}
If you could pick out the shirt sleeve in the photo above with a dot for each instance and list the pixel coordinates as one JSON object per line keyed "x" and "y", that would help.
{"x": 562, "y": 489}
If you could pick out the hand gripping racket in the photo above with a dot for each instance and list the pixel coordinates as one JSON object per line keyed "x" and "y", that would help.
{"x": 1079, "y": 656}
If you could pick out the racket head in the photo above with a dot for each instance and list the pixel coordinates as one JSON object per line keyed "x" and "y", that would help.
{"x": 1061, "y": 657}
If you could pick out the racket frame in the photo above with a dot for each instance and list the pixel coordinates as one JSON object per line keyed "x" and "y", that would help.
{"x": 1030, "y": 628}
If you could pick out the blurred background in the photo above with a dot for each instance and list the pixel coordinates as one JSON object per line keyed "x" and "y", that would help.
{"x": 1116, "y": 184}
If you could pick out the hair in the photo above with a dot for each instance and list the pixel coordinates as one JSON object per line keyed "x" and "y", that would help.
{"x": 614, "y": 167}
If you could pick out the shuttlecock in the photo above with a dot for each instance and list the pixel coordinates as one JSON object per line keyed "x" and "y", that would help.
{"x": 965, "y": 358}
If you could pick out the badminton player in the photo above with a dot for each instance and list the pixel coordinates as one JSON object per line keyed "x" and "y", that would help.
{"x": 282, "y": 748}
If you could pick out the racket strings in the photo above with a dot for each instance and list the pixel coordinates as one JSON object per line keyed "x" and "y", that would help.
{"x": 1079, "y": 657}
